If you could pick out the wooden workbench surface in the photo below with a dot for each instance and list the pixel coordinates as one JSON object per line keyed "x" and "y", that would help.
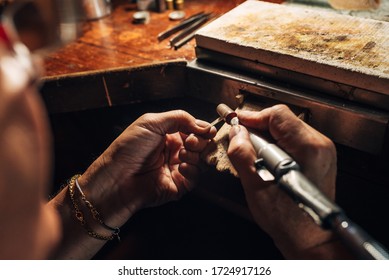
{"x": 114, "y": 41}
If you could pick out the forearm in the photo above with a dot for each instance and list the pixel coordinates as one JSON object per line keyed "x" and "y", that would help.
{"x": 141, "y": 168}
{"x": 75, "y": 243}
{"x": 83, "y": 233}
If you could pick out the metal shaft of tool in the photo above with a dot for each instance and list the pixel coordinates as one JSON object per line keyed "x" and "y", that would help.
{"x": 180, "y": 26}
{"x": 188, "y": 33}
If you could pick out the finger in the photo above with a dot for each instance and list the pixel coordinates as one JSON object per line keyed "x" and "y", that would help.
{"x": 189, "y": 156}
{"x": 190, "y": 174}
{"x": 173, "y": 144}
{"x": 175, "y": 121}
{"x": 211, "y": 133}
{"x": 241, "y": 153}
{"x": 195, "y": 143}
{"x": 262, "y": 120}
{"x": 181, "y": 183}
{"x": 294, "y": 136}
{"x": 284, "y": 126}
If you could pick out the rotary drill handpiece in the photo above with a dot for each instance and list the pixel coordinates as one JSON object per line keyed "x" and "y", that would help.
{"x": 274, "y": 164}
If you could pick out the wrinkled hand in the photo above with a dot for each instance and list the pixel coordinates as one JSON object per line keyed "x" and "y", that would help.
{"x": 292, "y": 231}
{"x": 154, "y": 161}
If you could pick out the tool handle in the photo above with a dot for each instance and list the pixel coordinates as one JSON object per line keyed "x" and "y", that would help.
{"x": 183, "y": 24}
{"x": 357, "y": 240}
{"x": 315, "y": 203}
{"x": 324, "y": 212}
{"x": 190, "y": 29}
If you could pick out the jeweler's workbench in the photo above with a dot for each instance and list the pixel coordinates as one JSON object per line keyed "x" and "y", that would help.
{"x": 117, "y": 70}
{"x": 115, "y": 41}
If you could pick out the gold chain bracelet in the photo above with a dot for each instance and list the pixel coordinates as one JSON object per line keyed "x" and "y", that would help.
{"x": 95, "y": 214}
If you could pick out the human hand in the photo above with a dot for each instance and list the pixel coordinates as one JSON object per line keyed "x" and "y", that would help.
{"x": 154, "y": 161}
{"x": 292, "y": 231}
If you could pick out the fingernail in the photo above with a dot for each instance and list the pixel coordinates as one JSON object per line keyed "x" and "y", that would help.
{"x": 201, "y": 123}
{"x": 205, "y": 126}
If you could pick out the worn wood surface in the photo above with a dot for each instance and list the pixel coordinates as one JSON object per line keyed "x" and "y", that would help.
{"x": 340, "y": 48}
{"x": 115, "y": 41}
{"x": 118, "y": 86}
{"x": 100, "y": 68}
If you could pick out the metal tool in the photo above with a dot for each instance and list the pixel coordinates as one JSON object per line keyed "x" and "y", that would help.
{"x": 177, "y": 15}
{"x": 187, "y": 28}
{"x": 185, "y": 23}
{"x": 141, "y": 17}
{"x": 96, "y": 9}
{"x": 188, "y": 33}
{"x": 285, "y": 171}
{"x": 216, "y": 121}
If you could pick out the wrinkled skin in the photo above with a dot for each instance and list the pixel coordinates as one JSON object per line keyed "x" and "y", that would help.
{"x": 292, "y": 231}
{"x": 154, "y": 161}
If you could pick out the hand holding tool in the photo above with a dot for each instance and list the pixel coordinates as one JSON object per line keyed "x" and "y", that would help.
{"x": 285, "y": 171}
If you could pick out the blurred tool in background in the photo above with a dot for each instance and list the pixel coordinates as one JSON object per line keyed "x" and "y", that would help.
{"x": 188, "y": 27}
{"x": 95, "y": 9}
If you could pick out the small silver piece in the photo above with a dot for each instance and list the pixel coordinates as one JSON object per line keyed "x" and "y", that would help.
{"x": 177, "y": 15}
{"x": 262, "y": 171}
{"x": 265, "y": 175}
{"x": 141, "y": 17}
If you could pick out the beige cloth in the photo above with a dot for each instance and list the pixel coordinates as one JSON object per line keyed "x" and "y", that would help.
{"x": 216, "y": 153}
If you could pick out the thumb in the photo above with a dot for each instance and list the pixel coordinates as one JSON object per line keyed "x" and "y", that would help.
{"x": 241, "y": 152}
